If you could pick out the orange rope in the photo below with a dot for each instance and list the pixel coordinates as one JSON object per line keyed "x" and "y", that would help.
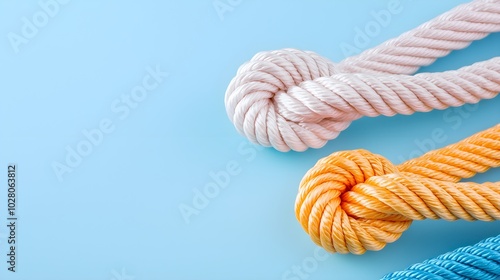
{"x": 353, "y": 201}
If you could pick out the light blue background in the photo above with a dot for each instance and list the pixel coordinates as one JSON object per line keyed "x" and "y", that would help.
{"x": 116, "y": 216}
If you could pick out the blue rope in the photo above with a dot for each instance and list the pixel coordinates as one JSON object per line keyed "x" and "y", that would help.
{"x": 479, "y": 261}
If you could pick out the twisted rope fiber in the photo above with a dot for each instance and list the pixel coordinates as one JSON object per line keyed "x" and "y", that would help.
{"x": 292, "y": 99}
{"x": 479, "y": 261}
{"x": 353, "y": 201}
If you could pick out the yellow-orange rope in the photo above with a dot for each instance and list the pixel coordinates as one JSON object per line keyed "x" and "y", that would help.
{"x": 353, "y": 201}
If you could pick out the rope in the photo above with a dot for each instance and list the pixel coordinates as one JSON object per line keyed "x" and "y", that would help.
{"x": 480, "y": 261}
{"x": 292, "y": 99}
{"x": 353, "y": 201}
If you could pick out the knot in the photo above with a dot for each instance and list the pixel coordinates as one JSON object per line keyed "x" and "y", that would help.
{"x": 265, "y": 104}
{"x": 294, "y": 100}
{"x": 353, "y": 201}
{"x": 335, "y": 217}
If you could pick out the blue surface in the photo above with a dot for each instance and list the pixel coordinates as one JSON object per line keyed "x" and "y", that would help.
{"x": 117, "y": 215}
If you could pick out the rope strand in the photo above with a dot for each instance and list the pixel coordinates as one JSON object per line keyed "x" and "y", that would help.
{"x": 353, "y": 201}
{"x": 479, "y": 261}
{"x": 453, "y": 30}
{"x": 292, "y": 99}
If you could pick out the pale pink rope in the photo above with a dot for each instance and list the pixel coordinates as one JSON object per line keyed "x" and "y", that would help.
{"x": 292, "y": 99}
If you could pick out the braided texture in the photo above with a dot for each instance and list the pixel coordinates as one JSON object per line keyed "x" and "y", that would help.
{"x": 480, "y": 261}
{"x": 293, "y": 100}
{"x": 353, "y": 201}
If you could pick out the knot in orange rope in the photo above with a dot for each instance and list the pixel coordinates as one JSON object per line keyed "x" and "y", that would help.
{"x": 353, "y": 201}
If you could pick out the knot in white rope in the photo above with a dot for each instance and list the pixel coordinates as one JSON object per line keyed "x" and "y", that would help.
{"x": 292, "y": 99}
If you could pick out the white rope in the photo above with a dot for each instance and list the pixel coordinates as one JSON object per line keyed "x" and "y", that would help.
{"x": 292, "y": 99}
